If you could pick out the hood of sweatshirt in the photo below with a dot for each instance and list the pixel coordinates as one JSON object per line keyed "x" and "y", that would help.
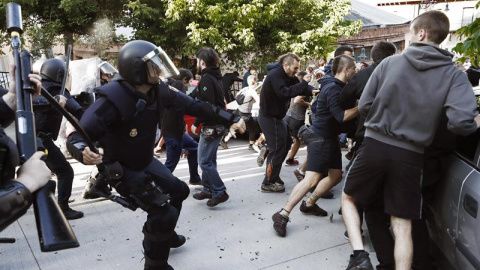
{"x": 424, "y": 56}
{"x": 271, "y": 66}
{"x": 327, "y": 80}
{"x": 215, "y": 71}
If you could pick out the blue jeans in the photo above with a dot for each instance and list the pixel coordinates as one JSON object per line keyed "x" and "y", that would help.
{"x": 207, "y": 159}
{"x": 174, "y": 151}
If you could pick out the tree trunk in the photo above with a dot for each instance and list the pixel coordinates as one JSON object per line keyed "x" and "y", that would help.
{"x": 68, "y": 36}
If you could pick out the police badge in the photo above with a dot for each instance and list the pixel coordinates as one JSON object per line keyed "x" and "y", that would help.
{"x": 133, "y": 132}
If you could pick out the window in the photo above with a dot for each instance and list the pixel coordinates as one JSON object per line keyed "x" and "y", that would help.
{"x": 468, "y": 15}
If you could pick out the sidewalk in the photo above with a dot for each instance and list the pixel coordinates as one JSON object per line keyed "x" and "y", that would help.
{"x": 237, "y": 234}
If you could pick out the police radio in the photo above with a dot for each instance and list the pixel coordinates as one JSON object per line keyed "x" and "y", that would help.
{"x": 54, "y": 231}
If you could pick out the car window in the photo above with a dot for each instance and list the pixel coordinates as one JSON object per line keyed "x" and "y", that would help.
{"x": 466, "y": 146}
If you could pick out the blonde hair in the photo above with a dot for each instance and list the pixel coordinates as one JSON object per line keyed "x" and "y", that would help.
{"x": 251, "y": 80}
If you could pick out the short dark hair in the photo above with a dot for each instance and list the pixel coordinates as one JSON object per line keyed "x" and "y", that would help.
{"x": 209, "y": 56}
{"x": 342, "y": 49}
{"x": 288, "y": 58}
{"x": 184, "y": 74}
{"x": 301, "y": 74}
{"x": 435, "y": 23}
{"x": 382, "y": 50}
{"x": 341, "y": 62}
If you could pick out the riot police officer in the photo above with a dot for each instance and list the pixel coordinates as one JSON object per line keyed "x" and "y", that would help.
{"x": 47, "y": 123}
{"x": 124, "y": 121}
{"x": 16, "y": 194}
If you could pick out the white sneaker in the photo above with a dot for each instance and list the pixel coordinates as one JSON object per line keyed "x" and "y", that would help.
{"x": 256, "y": 148}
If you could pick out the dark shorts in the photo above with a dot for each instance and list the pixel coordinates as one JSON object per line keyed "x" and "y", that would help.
{"x": 384, "y": 170}
{"x": 323, "y": 155}
{"x": 293, "y": 125}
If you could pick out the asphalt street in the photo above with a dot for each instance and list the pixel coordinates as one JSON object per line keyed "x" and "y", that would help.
{"x": 237, "y": 234}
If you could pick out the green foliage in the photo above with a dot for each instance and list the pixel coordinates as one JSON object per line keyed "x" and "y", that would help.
{"x": 470, "y": 47}
{"x": 42, "y": 38}
{"x": 236, "y": 28}
{"x": 70, "y": 18}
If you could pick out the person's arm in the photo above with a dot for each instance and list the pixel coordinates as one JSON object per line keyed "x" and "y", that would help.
{"x": 333, "y": 104}
{"x": 370, "y": 90}
{"x": 73, "y": 107}
{"x": 16, "y": 195}
{"x": 461, "y": 107}
{"x": 95, "y": 122}
{"x": 300, "y": 100}
{"x": 8, "y": 103}
{"x": 281, "y": 89}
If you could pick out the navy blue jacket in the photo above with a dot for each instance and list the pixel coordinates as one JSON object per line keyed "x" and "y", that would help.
{"x": 278, "y": 89}
{"x": 49, "y": 121}
{"x": 329, "y": 114}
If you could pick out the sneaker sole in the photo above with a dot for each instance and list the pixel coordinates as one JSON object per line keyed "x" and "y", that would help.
{"x": 270, "y": 191}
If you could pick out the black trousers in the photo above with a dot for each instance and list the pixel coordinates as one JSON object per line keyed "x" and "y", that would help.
{"x": 278, "y": 144}
{"x": 59, "y": 165}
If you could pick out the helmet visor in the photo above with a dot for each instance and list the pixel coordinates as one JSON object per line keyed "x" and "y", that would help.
{"x": 161, "y": 60}
{"x": 106, "y": 68}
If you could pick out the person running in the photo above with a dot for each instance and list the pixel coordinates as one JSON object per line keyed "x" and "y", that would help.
{"x": 324, "y": 164}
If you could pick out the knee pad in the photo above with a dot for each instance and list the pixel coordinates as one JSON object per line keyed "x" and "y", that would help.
{"x": 162, "y": 219}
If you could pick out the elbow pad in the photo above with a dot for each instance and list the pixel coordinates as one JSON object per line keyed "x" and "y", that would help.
{"x": 15, "y": 199}
{"x": 225, "y": 116}
{"x": 75, "y": 147}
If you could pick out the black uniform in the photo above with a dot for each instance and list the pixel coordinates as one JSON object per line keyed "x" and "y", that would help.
{"x": 15, "y": 198}
{"x": 124, "y": 122}
{"x": 47, "y": 124}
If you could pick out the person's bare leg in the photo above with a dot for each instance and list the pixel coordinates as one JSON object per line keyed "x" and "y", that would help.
{"x": 334, "y": 177}
{"x": 402, "y": 229}
{"x": 351, "y": 219}
{"x": 294, "y": 149}
{"x": 300, "y": 190}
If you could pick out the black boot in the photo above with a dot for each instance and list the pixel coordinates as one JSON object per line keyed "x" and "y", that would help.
{"x": 177, "y": 240}
{"x": 157, "y": 248}
{"x": 70, "y": 213}
{"x": 96, "y": 187}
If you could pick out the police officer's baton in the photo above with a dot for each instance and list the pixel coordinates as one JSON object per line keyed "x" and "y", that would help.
{"x": 65, "y": 74}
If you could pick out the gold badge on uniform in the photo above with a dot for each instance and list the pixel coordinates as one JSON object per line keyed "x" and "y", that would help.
{"x": 133, "y": 132}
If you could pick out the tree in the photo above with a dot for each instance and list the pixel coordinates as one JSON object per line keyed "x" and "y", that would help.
{"x": 67, "y": 18}
{"x": 470, "y": 47}
{"x": 236, "y": 28}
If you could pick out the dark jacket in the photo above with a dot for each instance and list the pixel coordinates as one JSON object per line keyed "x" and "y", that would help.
{"x": 329, "y": 114}
{"x": 210, "y": 89}
{"x": 278, "y": 89}
{"x": 227, "y": 80}
{"x": 49, "y": 121}
{"x": 125, "y": 130}
{"x": 15, "y": 198}
{"x": 349, "y": 96}
{"x": 173, "y": 124}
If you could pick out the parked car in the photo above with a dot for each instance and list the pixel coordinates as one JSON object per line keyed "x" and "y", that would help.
{"x": 452, "y": 216}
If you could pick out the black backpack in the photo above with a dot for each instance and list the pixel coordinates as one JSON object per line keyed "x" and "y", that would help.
{"x": 240, "y": 98}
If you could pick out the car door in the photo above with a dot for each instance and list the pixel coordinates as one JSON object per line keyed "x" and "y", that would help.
{"x": 445, "y": 213}
{"x": 468, "y": 221}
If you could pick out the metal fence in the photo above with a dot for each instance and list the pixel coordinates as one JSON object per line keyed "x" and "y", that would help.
{"x": 4, "y": 79}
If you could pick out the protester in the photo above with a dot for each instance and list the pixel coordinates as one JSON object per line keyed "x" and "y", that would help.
{"x": 324, "y": 164}
{"x": 279, "y": 87}
{"x": 391, "y": 157}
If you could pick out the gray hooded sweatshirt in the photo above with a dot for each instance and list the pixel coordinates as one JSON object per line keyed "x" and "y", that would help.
{"x": 407, "y": 94}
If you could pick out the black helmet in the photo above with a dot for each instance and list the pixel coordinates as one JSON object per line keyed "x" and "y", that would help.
{"x": 53, "y": 70}
{"x": 140, "y": 60}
